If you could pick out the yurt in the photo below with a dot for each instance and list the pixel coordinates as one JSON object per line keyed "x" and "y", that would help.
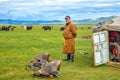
{"x": 106, "y": 42}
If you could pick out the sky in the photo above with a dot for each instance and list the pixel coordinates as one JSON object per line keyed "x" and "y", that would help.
{"x": 58, "y": 9}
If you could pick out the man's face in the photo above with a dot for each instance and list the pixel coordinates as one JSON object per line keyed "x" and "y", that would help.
{"x": 67, "y": 20}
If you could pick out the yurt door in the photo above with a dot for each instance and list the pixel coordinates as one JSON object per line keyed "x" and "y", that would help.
{"x": 101, "y": 47}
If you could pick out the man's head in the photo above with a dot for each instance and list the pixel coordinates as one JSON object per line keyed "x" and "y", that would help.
{"x": 68, "y": 19}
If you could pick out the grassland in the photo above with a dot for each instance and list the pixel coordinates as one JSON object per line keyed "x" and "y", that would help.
{"x": 19, "y": 47}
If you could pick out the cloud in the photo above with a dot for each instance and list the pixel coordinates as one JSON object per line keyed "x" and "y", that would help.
{"x": 118, "y": 3}
{"x": 4, "y": 0}
{"x": 57, "y": 9}
{"x": 103, "y": 5}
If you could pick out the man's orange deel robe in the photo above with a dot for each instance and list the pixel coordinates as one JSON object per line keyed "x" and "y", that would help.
{"x": 69, "y": 34}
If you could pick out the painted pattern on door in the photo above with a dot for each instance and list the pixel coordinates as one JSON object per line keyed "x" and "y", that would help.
{"x": 101, "y": 47}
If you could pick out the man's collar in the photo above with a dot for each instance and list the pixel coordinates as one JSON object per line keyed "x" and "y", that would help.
{"x": 68, "y": 23}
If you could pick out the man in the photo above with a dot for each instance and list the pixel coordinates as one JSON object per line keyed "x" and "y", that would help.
{"x": 69, "y": 43}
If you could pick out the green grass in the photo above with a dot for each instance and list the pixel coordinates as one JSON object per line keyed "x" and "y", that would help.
{"x": 19, "y": 47}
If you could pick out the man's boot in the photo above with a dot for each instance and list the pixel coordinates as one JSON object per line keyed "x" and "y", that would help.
{"x": 68, "y": 57}
{"x": 71, "y": 57}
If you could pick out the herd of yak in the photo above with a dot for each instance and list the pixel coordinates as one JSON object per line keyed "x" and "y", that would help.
{"x": 28, "y": 27}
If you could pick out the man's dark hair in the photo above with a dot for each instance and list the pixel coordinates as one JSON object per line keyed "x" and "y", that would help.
{"x": 67, "y": 17}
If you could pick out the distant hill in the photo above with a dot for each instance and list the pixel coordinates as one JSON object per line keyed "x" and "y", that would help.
{"x": 9, "y": 21}
{"x": 101, "y": 19}
{"x": 94, "y": 21}
{"x": 85, "y": 21}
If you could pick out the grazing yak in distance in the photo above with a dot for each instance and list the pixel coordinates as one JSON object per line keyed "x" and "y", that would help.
{"x": 12, "y": 28}
{"x": 7, "y": 28}
{"x": 28, "y": 27}
{"x": 62, "y": 28}
{"x": 47, "y": 27}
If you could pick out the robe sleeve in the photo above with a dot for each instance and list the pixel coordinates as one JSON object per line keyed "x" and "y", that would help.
{"x": 73, "y": 30}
